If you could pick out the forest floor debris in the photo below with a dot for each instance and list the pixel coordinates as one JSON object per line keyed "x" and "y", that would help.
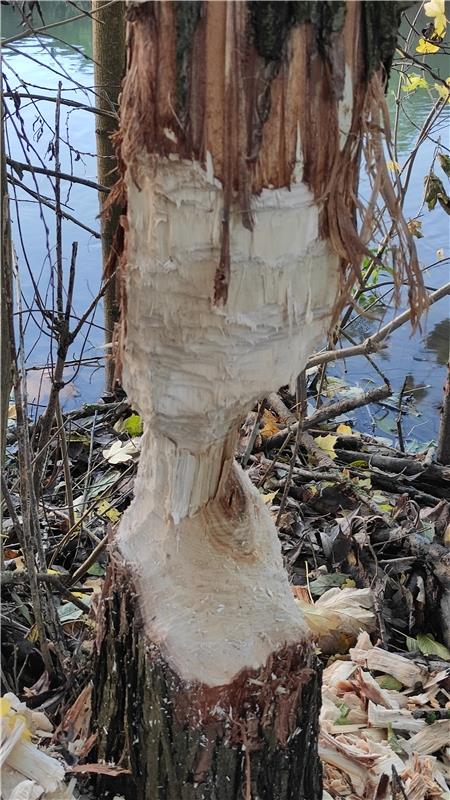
{"x": 365, "y": 534}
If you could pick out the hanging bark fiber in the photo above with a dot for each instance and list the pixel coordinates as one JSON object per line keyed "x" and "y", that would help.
{"x": 240, "y": 137}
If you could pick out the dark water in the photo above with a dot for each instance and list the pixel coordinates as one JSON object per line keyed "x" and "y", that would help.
{"x": 421, "y": 356}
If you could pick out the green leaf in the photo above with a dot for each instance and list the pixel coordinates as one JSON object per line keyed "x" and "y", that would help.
{"x": 324, "y": 582}
{"x": 411, "y": 644}
{"x": 428, "y": 530}
{"x": 444, "y": 161}
{"x": 133, "y": 425}
{"x": 69, "y": 612}
{"x": 435, "y": 192}
{"x": 96, "y": 569}
{"x": 389, "y": 682}
{"x": 343, "y": 714}
{"x": 429, "y": 647}
{"x": 392, "y": 740}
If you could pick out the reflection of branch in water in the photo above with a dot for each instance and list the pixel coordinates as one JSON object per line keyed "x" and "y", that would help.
{"x": 438, "y": 340}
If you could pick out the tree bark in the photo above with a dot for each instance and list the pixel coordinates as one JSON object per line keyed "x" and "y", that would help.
{"x": 6, "y": 289}
{"x": 253, "y": 738}
{"x": 241, "y": 126}
{"x": 443, "y": 447}
{"x": 108, "y": 31}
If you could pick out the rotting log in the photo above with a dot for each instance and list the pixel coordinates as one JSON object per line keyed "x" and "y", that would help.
{"x": 240, "y": 138}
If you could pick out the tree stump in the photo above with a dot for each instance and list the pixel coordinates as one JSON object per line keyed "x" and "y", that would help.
{"x": 255, "y": 738}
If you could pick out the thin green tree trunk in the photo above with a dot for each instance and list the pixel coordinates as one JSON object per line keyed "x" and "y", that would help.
{"x": 6, "y": 300}
{"x": 108, "y": 31}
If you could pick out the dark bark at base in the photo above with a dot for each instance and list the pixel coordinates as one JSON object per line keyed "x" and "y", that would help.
{"x": 255, "y": 739}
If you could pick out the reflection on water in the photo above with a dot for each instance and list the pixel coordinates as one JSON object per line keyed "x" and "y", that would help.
{"x": 63, "y": 38}
{"x": 438, "y": 340}
{"x": 420, "y": 356}
{"x": 418, "y": 392}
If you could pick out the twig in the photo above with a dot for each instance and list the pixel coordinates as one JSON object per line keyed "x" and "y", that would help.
{"x": 273, "y": 463}
{"x": 58, "y": 220}
{"x": 20, "y": 576}
{"x": 67, "y": 536}
{"x": 91, "y": 559}
{"x": 50, "y": 205}
{"x": 45, "y": 28}
{"x": 66, "y": 465}
{"x": 328, "y": 412}
{"x": 88, "y": 470}
{"x": 71, "y": 103}
{"x": 401, "y": 442}
{"x": 28, "y": 541}
{"x": 371, "y": 344}
{"x": 19, "y": 166}
{"x": 301, "y": 402}
{"x": 6, "y": 496}
{"x": 254, "y": 433}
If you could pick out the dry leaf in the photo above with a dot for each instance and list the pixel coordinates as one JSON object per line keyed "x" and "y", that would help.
{"x": 327, "y": 443}
{"x": 271, "y": 426}
{"x": 344, "y": 430}
{"x": 269, "y": 497}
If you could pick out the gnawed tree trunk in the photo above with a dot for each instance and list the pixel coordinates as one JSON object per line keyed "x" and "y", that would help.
{"x": 108, "y": 38}
{"x": 240, "y": 134}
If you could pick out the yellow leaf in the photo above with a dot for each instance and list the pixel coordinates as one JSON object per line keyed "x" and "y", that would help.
{"x": 32, "y": 634}
{"x": 270, "y": 425}
{"x": 443, "y": 91}
{"x": 434, "y": 8}
{"x": 5, "y": 707}
{"x": 426, "y": 47}
{"x": 394, "y": 166}
{"x": 11, "y": 412}
{"x": 344, "y": 430}
{"x": 415, "y": 228}
{"x": 267, "y": 498}
{"x": 105, "y": 509}
{"x": 413, "y": 82}
{"x": 327, "y": 443}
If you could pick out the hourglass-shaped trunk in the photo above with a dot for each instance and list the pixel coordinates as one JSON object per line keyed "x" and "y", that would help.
{"x": 240, "y": 136}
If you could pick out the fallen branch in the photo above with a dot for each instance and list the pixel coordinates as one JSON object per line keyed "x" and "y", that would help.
{"x": 400, "y": 466}
{"x": 20, "y": 576}
{"x": 372, "y": 343}
{"x": 328, "y": 412}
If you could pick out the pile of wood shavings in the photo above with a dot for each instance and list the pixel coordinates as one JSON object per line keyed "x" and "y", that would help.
{"x": 380, "y": 742}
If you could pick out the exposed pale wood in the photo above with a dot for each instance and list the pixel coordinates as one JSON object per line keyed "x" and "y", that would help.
{"x": 253, "y": 738}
